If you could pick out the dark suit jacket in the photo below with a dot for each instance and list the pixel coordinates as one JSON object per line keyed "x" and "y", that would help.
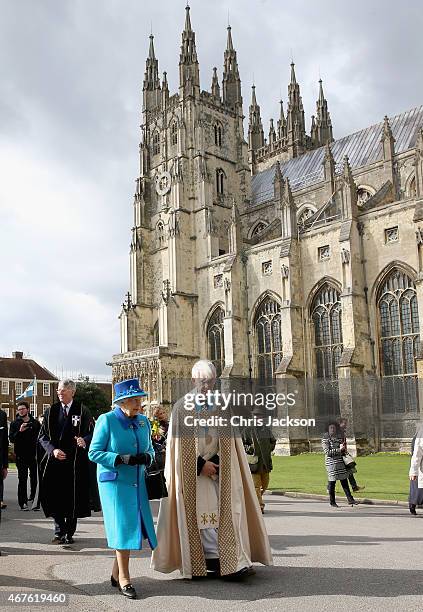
{"x": 4, "y": 441}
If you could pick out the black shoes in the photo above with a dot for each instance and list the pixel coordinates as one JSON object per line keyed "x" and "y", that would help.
{"x": 213, "y": 567}
{"x": 334, "y": 505}
{"x": 113, "y": 582}
{"x": 128, "y": 591}
{"x": 412, "y": 508}
{"x": 213, "y": 571}
{"x": 62, "y": 540}
{"x": 239, "y": 575}
{"x": 352, "y": 501}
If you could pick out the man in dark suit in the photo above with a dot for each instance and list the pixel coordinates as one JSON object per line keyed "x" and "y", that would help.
{"x": 23, "y": 433}
{"x": 4, "y": 452}
{"x": 64, "y": 485}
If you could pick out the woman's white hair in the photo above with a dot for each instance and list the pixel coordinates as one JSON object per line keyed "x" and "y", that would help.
{"x": 204, "y": 369}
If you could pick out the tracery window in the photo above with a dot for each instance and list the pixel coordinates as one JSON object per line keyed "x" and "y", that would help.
{"x": 217, "y": 135}
{"x": 156, "y": 143}
{"x": 268, "y": 335}
{"x": 326, "y": 318}
{"x": 216, "y": 339}
{"x": 174, "y": 133}
{"x": 399, "y": 342}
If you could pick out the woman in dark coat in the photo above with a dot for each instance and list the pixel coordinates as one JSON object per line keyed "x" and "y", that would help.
{"x": 415, "y": 497}
{"x": 334, "y": 449}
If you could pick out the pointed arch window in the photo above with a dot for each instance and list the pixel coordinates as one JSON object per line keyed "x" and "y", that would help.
{"x": 218, "y": 135}
{"x": 220, "y": 177}
{"x": 268, "y": 336}
{"x": 174, "y": 133}
{"x": 327, "y": 327}
{"x": 160, "y": 234}
{"x": 156, "y": 143}
{"x": 216, "y": 339}
{"x": 399, "y": 342}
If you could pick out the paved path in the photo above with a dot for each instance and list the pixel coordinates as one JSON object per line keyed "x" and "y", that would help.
{"x": 352, "y": 559}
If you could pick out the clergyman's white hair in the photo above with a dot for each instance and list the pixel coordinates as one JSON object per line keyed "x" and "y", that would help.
{"x": 68, "y": 383}
{"x": 204, "y": 369}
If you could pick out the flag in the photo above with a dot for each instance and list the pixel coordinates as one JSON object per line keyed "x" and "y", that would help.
{"x": 29, "y": 391}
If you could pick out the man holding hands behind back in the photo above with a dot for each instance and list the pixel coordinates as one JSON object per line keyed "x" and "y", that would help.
{"x": 64, "y": 487}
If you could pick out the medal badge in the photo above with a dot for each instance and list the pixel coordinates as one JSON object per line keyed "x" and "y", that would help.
{"x": 76, "y": 420}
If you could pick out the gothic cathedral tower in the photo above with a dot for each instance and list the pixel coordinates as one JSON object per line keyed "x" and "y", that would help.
{"x": 193, "y": 182}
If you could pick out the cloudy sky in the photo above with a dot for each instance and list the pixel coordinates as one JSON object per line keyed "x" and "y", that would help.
{"x": 70, "y": 89}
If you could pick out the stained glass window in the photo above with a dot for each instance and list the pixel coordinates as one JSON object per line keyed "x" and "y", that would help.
{"x": 326, "y": 318}
{"x": 268, "y": 339}
{"x": 399, "y": 342}
{"x": 174, "y": 133}
{"x": 216, "y": 339}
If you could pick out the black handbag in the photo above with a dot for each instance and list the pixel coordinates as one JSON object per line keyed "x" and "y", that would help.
{"x": 154, "y": 473}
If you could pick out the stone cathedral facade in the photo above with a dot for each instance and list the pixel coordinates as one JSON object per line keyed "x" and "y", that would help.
{"x": 288, "y": 257}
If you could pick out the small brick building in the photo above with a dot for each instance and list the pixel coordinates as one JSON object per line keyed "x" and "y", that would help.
{"x": 16, "y": 373}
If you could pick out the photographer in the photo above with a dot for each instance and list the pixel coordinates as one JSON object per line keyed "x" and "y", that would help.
{"x": 23, "y": 433}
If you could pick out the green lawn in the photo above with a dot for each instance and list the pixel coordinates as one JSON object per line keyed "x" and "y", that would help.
{"x": 385, "y": 476}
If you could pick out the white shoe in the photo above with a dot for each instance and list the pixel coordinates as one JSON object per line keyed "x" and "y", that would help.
{"x": 24, "y": 507}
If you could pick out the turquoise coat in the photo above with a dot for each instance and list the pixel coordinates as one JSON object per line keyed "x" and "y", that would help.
{"x": 123, "y": 494}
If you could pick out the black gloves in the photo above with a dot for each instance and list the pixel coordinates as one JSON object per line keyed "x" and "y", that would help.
{"x": 140, "y": 459}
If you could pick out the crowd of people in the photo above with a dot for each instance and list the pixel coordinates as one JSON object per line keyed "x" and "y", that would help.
{"x": 210, "y": 484}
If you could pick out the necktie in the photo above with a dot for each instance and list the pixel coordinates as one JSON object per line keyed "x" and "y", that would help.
{"x": 65, "y": 411}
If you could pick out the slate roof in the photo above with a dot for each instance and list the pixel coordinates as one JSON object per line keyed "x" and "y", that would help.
{"x": 23, "y": 369}
{"x": 363, "y": 148}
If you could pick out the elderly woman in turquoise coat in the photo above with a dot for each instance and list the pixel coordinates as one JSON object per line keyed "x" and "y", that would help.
{"x": 122, "y": 448}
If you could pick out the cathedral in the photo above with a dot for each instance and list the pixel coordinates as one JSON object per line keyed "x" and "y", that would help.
{"x": 293, "y": 258}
